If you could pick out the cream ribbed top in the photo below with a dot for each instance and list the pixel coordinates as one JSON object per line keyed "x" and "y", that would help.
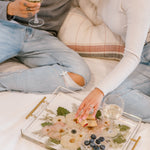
{"x": 131, "y": 20}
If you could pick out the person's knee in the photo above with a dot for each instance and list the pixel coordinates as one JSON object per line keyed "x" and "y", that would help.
{"x": 81, "y": 75}
{"x": 77, "y": 78}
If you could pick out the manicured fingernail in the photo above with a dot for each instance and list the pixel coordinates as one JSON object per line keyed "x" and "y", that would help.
{"x": 79, "y": 120}
{"x": 84, "y": 118}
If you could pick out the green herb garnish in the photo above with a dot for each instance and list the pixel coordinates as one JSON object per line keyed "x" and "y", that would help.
{"x": 55, "y": 141}
{"x": 62, "y": 111}
{"x": 46, "y": 124}
{"x": 98, "y": 114}
{"x": 123, "y": 127}
{"x": 119, "y": 139}
{"x": 50, "y": 148}
{"x": 79, "y": 148}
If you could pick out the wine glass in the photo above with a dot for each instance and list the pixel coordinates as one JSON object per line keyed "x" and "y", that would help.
{"x": 36, "y": 22}
{"x": 112, "y": 106}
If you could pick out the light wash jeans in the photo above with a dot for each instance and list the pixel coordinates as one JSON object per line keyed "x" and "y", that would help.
{"x": 48, "y": 58}
{"x": 135, "y": 90}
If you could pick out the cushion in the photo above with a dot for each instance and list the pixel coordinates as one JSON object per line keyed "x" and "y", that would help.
{"x": 80, "y": 34}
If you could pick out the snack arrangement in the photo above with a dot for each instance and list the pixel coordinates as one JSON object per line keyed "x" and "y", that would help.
{"x": 91, "y": 134}
{"x": 53, "y": 125}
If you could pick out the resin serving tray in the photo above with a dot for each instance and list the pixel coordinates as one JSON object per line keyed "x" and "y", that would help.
{"x": 41, "y": 120}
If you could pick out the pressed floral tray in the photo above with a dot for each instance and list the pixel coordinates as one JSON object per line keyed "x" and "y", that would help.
{"x": 51, "y": 124}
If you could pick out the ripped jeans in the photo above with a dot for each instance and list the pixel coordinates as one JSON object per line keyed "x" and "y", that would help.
{"x": 47, "y": 57}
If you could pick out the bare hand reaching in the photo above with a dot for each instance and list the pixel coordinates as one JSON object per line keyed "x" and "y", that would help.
{"x": 23, "y": 8}
{"x": 92, "y": 101}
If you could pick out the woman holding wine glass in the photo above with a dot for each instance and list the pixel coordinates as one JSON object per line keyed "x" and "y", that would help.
{"x": 34, "y": 42}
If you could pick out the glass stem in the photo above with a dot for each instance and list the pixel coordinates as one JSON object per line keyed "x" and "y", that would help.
{"x": 111, "y": 125}
{"x": 36, "y": 21}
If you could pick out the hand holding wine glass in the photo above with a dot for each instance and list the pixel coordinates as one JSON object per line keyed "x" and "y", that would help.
{"x": 23, "y": 8}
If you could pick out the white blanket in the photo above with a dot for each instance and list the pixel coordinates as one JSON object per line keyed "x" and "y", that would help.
{"x": 15, "y": 106}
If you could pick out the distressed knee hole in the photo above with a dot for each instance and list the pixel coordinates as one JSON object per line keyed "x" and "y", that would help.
{"x": 77, "y": 78}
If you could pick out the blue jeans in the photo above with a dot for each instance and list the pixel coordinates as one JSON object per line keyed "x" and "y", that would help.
{"x": 47, "y": 57}
{"x": 135, "y": 90}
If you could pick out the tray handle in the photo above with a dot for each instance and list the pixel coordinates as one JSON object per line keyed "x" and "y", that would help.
{"x": 33, "y": 110}
{"x": 136, "y": 142}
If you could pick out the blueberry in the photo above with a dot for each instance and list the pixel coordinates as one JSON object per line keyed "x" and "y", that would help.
{"x": 73, "y": 131}
{"x": 86, "y": 142}
{"x": 101, "y": 139}
{"x": 91, "y": 140}
{"x": 102, "y": 147}
{"x": 96, "y": 148}
{"x": 92, "y": 144}
{"x": 93, "y": 136}
{"x": 98, "y": 141}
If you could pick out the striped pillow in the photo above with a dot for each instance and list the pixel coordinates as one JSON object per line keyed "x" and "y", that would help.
{"x": 89, "y": 40}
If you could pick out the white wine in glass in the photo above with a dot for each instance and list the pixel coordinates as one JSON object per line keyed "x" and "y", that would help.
{"x": 112, "y": 111}
{"x": 36, "y": 22}
{"x": 112, "y": 106}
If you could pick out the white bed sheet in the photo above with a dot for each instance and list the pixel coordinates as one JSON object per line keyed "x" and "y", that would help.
{"x": 15, "y": 106}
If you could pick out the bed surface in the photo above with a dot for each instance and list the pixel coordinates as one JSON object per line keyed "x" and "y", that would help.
{"x": 15, "y": 106}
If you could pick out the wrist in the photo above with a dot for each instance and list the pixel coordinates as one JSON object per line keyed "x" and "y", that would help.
{"x": 10, "y": 9}
{"x": 99, "y": 91}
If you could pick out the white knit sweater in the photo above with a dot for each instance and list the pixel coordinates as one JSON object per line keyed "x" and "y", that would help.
{"x": 131, "y": 20}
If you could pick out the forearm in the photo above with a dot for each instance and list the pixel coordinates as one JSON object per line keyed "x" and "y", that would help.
{"x": 125, "y": 67}
{"x": 3, "y": 9}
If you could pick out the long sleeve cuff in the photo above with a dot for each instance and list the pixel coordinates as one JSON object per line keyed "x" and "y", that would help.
{"x": 3, "y": 10}
{"x": 123, "y": 69}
